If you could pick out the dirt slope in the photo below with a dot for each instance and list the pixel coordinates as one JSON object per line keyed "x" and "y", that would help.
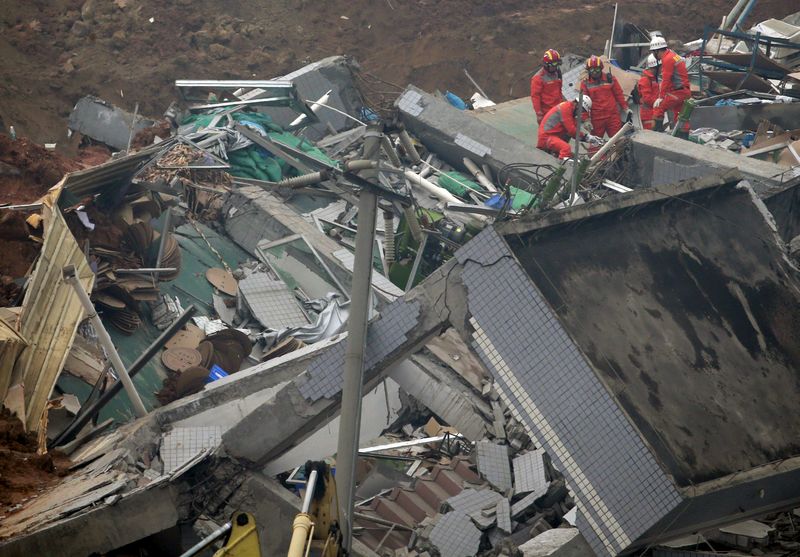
{"x": 54, "y": 51}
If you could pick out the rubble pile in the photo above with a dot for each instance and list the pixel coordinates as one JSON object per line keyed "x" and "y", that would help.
{"x": 553, "y": 346}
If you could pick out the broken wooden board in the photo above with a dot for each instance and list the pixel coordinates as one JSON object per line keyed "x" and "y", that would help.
{"x": 223, "y": 281}
{"x": 84, "y": 361}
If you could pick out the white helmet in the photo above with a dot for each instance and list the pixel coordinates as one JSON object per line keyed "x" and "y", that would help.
{"x": 657, "y": 43}
{"x": 651, "y": 61}
{"x": 586, "y": 103}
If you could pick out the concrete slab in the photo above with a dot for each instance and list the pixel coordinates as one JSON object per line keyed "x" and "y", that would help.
{"x": 453, "y": 134}
{"x": 515, "y": 118}
{"x": 558, "y": 542}
{"x": 104, "y": 122}
{"x": 312, "y": 82}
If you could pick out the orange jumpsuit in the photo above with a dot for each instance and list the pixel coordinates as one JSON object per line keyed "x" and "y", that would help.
{"x": 545, "y": 92}
{"x": 557, "y": 128}
{"x": 674, "y": 87}
{"x": 607, "y": 101}
{"x": 648, "y": 93}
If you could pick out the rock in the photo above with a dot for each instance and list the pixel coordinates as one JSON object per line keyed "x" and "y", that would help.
{"x": 559, "y": 542}
{"x": 119, "y": 40}
{"x": 79, "y": 29}
{"x": 219, "y": 52}
{"x": 89, "y": 10}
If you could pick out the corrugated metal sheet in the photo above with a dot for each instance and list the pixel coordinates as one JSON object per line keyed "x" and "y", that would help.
{"x": 11, "y": 344}
{"x": 51, "y": 312}
{"x": 114, "y": 172}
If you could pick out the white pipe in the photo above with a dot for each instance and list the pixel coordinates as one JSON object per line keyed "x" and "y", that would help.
{"x": 311, "y": 485}
{"x": 71, "y": 278}
{"x": 315, "y": 106}
{"x": 604, "y": 149}
{"x": 437, "y": 191}
{"x": 479, "y": 175}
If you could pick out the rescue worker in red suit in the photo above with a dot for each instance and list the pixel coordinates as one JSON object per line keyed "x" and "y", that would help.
{"x": 674, "y": 83}
{"x": 546, "y": 85}
{"x": 648, "y": 92}
{"x": 559, "y": 126}
{"x": 607, "y": 98}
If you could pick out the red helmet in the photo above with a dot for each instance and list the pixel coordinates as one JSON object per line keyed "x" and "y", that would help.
{"x": 551, "y": 56}
{"x": 594, "y": 63}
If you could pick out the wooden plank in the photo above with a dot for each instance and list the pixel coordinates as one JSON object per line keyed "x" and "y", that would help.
{"x": 83, "y": 362}
{"x": 11, "y": 345}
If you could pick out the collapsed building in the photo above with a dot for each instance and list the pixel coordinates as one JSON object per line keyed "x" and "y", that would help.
{"x": 601, "y": 365}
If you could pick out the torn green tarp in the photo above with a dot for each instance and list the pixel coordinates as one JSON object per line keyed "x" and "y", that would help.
{"x": 255, "y": 162}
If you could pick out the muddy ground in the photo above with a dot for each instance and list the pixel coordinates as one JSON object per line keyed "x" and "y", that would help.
{"x": 54, "y": 51}
{"x": 23, "y": 472}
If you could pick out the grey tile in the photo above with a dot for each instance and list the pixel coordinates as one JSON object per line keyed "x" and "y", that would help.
{"x": 529, "y": 472}
{"x": 493, "y": 464}
{"x": 455, "y": 535}
{"x": 181, "y": 444}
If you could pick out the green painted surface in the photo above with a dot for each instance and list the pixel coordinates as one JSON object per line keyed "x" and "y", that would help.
{"x": 196, "y": 258}
{"x": 515, "y": 118}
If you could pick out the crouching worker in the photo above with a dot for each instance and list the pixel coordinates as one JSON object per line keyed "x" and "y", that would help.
{"x": 559, "y": 126}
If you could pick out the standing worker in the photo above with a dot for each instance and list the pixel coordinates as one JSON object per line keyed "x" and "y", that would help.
{"x": 559, "y": 126}
{"x": 674, "y": 83}
{"x": 608, "y": 101}
{"x": 546, "y": 85}
{"x": 648, "y": 92}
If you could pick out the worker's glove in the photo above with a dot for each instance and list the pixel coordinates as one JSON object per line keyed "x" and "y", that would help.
{"x": 593, "y": 140}
{"x": 657, "y": 103}
{"x": 629, "y": 116}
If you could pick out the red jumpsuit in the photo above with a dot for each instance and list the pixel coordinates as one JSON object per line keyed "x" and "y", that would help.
{"x": 557, "y": 128}
{"x": 607, "y": 101}
{"x": 545, "y": 92}
{"x": 648, "y": 93}
{"x": 674, "y": 87}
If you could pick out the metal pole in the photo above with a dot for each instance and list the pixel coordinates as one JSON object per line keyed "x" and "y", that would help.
{"x": 613, "y": 30}
{"x": 133, "y": 128}
{"x": 71, "y": 278}
{"x": 733, "y": 15}
{"x": 574, "y": 186}
{"x": 350, "y": 419}
{"x": 417, "y": 259}
{"x": 85, "y": 416}
{"x": 475, "y": 83}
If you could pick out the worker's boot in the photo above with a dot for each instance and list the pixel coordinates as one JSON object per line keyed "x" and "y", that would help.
{"x": 658, "y": 126}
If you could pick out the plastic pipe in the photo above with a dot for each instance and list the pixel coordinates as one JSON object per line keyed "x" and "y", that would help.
{"x": 438, "y": 192}
{"x": 71, "y": 278}
{"x": 479, "y": 175}
{"x": 604, "y": 149}
{"x": 408, "y": 147}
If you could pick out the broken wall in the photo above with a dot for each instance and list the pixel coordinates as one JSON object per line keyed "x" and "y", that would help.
{"x": 660, "y": 159}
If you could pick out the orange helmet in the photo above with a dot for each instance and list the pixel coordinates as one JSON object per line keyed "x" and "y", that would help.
{"x": 594, "y": 63}
{"x": 551, "y": 56}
